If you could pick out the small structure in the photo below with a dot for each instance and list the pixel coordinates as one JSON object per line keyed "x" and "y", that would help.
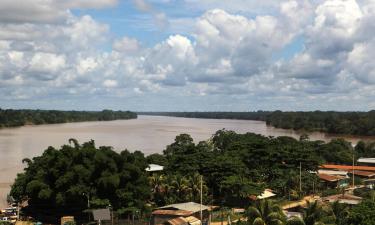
{"x": 267, "y": 193}
{"x": 178, "y": 214}
{"x": 334, "y": 181}
{"x": 67, "y": 219}
{"x": 343, "y": 198}
{"x": 366, "y": 161}
{"x": 101, "y": 214}
{"x": 154, "y": 168}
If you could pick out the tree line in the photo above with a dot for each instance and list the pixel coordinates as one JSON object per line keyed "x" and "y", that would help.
{"x": 14, "y": 118}
{"x": 352, "y": 123}
{"x": 233, "y": 166}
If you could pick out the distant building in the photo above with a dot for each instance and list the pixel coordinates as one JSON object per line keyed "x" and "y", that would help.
{"x": 154, "y": 168}
{"x": 343, "y": 198}
{"x": 181, "y": 214}
{"x": 267, "y": 193}
{"x": 366, "y": 161}
{"x": 347, "y": 167}
{"x": 334, "y": 181}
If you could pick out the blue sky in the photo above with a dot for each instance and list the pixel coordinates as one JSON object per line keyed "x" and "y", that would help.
{"x": 176, "y": 55}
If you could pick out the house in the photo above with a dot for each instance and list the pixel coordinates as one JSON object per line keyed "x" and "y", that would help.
{"x": 181, "y": 214}
{"x": 366, "y": 161}
{"x": 334, "y": 181}
{"x": 154, "y": 168}
{"x": 343, "y": 198}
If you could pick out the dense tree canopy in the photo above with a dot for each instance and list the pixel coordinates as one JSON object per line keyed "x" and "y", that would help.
{"x": 13, "y": 118}
{"x": 59, "y": 181}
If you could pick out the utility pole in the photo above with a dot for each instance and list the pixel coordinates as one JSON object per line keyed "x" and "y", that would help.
{"x": 353, "y": 167}
{"x": 201, "y": 198}
{"x": 300, "y": 176}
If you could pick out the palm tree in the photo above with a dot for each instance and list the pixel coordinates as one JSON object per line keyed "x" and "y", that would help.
{"x": 316, "y": 214}
{"x": 265, "y": 213}
{"x": 341, "y": 213}
{"x": 180, "y": 186}
{"x": 295, "y": 221}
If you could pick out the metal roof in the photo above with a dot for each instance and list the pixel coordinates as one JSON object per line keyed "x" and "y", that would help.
{"x": 330, "y": 178}
{"x": 266, "y": 194}
{"x": 366, "y": 160}
{"x": 344, "y": 198}
{"x": 347, "y": 167}
{"x": 187, "y": 206}
{"x": 154, "y": 167}
{"x": 172, "y": 212}
{"x": 363, "y": 173}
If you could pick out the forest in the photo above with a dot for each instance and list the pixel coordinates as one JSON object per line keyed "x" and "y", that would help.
{"x": 15, "y": 118}
{"x": 350, "y": 123}
{"x": 234, "y": 167}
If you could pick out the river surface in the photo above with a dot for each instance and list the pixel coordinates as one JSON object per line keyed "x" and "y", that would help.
{"x": 149, "y": 134}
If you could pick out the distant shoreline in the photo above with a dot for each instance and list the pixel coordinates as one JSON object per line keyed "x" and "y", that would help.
{"x": 329, "y": 122}
{"x": 16, "y": 118}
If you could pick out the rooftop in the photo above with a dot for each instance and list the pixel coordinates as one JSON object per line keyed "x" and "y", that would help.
{"x": 330, "y": 178}
{"x": 343, "y": 198}
{"x": 154, "y": 167}
{"x": 172, "y": 212}
{"x": 187, "y": 206}
{"x": 347, "y": 167}
{"x": 366, "y": 160}
{"x": 363, "y": 173}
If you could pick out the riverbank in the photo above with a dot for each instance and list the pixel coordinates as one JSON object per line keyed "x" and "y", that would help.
{"x": 149, "y": 134}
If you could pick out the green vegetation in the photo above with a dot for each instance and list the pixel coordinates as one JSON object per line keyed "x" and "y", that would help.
{"x": 14, "y": 118}
{"x": 60, "y": 182}
{"x": 234, "y": 167}
{"x": 353, "y": 123}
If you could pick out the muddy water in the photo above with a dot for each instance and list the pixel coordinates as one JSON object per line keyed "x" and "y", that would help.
{"x": 149, "y": 134}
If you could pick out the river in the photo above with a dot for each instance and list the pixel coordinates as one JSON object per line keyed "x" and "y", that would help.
{"x": 149, "y": 134}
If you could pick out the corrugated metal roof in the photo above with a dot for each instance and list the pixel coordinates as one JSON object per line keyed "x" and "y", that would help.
{"x": 154, "y": 167}
{"x": 334, "y": 172}
{"x": 178, "y": 221}
{"x": 172, "y": 212}
{"x": 345, "y": 167}
{"x": 266, "y": 194}
{"x": 187, "y": 206}
{"x": 346, "y": 198}
{"x": 363, "y": 173}
{"x": 330, "y": 178}
{"x": 366, "y": 160}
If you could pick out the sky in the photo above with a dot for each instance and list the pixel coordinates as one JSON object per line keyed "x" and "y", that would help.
{"x": 187, "y": 55}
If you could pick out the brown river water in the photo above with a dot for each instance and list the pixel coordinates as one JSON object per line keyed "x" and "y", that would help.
{"x": 149, "y": 134}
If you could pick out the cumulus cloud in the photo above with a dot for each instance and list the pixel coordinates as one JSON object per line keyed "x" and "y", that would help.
{"x": 227, "y": 57}
{"x": 41, "y": 11}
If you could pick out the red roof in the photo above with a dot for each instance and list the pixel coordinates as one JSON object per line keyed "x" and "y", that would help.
{"x": 330, "y": 178}
{"x": 346, "y": 167}
{"x": 362, "y": 173}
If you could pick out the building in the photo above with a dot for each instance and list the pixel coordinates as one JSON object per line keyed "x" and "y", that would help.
{"x": 347, "y": 167}
{"x": 343, "y": 198}
{"x": 181, "y": 214}
{"x": 334, "y": 181}
{"x": 154, "y": 168}
{"x": 366, "y": 161}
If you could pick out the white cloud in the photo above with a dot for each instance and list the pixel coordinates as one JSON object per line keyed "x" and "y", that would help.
{"x": 110, "y": 83}
{"x": 225, "y": 56}
{"x": 127, "y": 45}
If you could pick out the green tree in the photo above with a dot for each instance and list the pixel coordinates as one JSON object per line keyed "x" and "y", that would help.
{"x": 265, "y": 212}
{"x": 363, "y": 213}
